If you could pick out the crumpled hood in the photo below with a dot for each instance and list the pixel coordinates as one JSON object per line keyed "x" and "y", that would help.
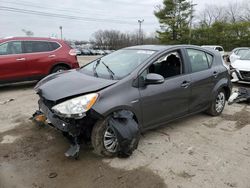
{"x": 70, "y": 83}
{"x": 241, "y": 65}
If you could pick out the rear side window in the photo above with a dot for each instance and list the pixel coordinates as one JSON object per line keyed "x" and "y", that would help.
{"x": 13, "y": 47}
{"x": 36, "y": 46}
{"x": 54, "y": 45}
{"x": 209, "y": 59}
{"x": 199, "y": 60}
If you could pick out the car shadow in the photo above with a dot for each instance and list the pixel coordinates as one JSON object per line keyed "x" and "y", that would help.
{"x": 241, "y": 85}
{"x": 18, "y": 86}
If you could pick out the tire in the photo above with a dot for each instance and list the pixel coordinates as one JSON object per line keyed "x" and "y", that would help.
{"x": 97, "y": 139}
{"x": 59, "y": 68}
{"x": 218, "y": 103}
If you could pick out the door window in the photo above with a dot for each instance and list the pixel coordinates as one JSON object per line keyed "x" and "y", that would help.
{"x": 14, "y": 47}
{"x": 199, "y": 60}
{"x": 168, "y": 65}
{"x": 36, "y": 46}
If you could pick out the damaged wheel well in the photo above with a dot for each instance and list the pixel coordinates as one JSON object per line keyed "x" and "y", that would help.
{"x": 134, "y": 116}
{"x": 118, "y": 133}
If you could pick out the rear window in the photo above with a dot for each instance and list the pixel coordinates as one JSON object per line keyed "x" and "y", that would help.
{"x": 36, "y": 46}
{"x": 54, "y": 45}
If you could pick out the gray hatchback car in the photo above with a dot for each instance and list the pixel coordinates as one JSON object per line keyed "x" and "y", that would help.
{"x": 111, "y": 100}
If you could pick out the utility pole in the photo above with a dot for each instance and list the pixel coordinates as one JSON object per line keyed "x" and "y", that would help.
{"x": 61, "y": 32}
{"x": 191, "y": 20}
{"x": 140, "y": 38}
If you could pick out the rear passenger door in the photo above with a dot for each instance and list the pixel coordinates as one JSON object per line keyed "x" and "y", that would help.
{"x": 38, "y": 57}
{"x": 203, "y": 78}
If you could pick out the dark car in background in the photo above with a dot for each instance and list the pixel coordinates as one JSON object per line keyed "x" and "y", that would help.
{"x": 30, "y": 58}
{"x": 112, "y": 99}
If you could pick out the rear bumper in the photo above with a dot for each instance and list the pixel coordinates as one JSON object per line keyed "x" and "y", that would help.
{"x": 76, "y": 65}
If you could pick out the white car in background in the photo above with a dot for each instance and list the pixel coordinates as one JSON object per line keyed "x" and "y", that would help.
{"x": 237, "y": 53}
{"x": 217, "y": 48}
{"x": 241, "y": 69}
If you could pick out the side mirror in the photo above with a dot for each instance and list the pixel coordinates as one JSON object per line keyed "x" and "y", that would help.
{"x": 152, "y": 78}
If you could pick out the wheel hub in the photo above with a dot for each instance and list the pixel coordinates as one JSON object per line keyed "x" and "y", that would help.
{"x": 110, "y": 141}
{"x": 220, "y": 102}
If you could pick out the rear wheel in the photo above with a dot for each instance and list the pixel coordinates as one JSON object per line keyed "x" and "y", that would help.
{"x": 218, "y": 103}
{"x": 59, "y": 68}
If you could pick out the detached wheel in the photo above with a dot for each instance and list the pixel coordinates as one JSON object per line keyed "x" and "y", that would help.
{"x": 59, "y": 68}
{"x": 218, "y": 104}
{"x": 104, "y": 139}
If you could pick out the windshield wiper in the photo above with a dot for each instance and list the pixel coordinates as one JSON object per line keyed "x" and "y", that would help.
{"x": 112, "y": 74}
{"x": 95, "y": 66}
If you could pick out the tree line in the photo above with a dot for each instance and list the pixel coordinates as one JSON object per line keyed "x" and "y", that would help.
{"x": 180, "y": 23}
{"x": 225, "y": 25}
{"x": 114, "y": 39}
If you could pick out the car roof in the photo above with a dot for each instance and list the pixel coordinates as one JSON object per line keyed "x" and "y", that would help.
{"x": 241, "y": 48}
{"x": 29, "y": 38}
{"x": 158, "y": 47}
{"x": 211, "y": 46}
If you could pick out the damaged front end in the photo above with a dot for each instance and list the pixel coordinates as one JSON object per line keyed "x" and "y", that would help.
{"x": 75, "y": 129}
{"x": 78, "y": 128}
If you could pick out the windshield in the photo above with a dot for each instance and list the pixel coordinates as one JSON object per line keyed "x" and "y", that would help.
{"x": 246, "y": 56}
{"x": 117, "y": 64}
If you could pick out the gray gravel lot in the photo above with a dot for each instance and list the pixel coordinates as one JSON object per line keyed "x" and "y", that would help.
{"x": 194, "y": 152}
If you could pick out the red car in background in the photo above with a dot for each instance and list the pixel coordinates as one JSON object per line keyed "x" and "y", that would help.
{"x": 30, "y": 58}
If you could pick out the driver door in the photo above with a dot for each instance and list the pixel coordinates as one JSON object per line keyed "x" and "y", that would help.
{"x": 164, "y": 102}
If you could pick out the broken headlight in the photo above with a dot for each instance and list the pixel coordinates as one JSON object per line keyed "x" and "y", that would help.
{"x": 76, "y": 107}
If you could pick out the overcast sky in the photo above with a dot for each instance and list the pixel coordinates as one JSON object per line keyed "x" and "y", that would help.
{"x": 87, "y": 16}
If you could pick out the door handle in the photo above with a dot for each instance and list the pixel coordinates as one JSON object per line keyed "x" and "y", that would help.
{"x": 50, "y": 56}
{"x": 215, "y": 74}
{"x": 185, "y": 84}
{"x": 21, "y": 59}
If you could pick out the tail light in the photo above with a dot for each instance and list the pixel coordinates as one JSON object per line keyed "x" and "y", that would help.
{"x": 72, "y": 52}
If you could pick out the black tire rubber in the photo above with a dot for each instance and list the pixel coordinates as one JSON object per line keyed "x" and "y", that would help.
{"x": 211, "y": 110}
{"x": 97, "y": 136}
{"x": 59, "y": 67}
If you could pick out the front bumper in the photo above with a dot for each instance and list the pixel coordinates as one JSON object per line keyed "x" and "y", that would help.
{"x": 53, "y": 119}
{"x": 240, "y": 76}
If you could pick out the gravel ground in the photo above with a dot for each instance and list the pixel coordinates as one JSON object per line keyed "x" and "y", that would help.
{"x": 198, "y": 151}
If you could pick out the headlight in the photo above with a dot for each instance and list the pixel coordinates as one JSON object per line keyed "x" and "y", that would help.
{"x": 76, "y": 107}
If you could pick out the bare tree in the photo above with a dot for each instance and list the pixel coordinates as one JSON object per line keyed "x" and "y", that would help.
{"x": 113, "y": 39}
{"x": 28, "y": 33}
{"x": 211, "y": 14}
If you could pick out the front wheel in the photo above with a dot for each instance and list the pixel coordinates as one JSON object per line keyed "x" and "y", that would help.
{"x": 104, "y": 139}
{"x": 218, "y": 103}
